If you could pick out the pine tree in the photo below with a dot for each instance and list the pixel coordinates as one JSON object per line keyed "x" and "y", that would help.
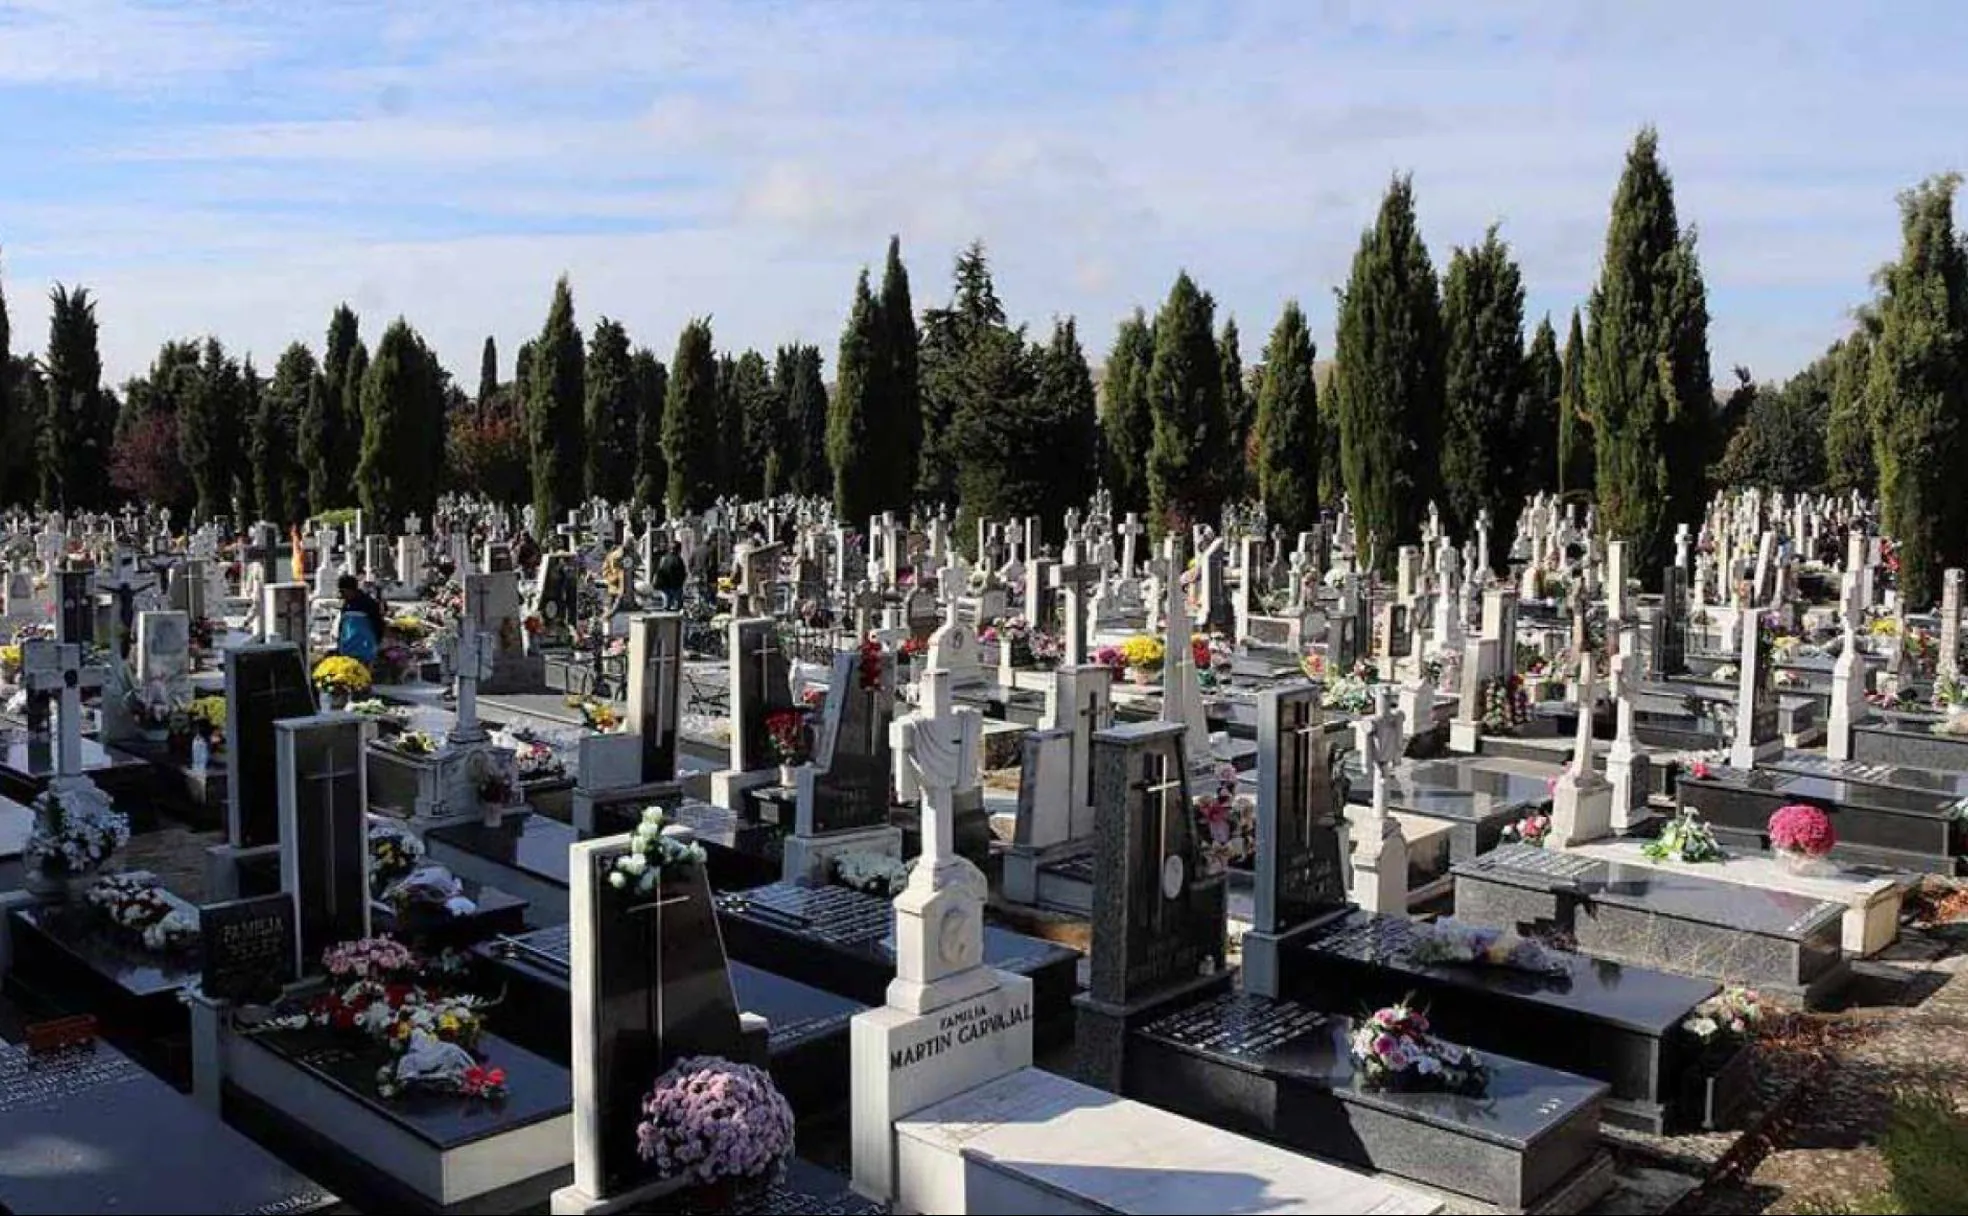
{"x": 488, "y": 372}
{"x": 336, "y": 440}
{"x": 1577, "y": 461}
{"x": 1065, "y": 407}
{"x": 798, "y": 379}
{"x": 1917, "y": 381}
{"x": 1185, "y": 397}
{"x": 1127, "y": 424}
{"x": 1287, "y": 426}
{"x": 403, "y": 406}
{"x": 279, "y": 478}
{"x": 762, "y": 422}
{"x": 652, "y": 384}
{"x": 1239, "y": 408}
{"x": 1647, "y": 383}
{"x": 1848, "y": 431}
{"x": 1390, "y": 377}
{"x": 853, "y": 447}
{"x": 690, "y": 421}
{"x": 209, "y": 419}
{"x": 901, "y": 410}
{"x": 949, "y": 337}
{"x": 611, "y": 413}
{"x": 553, "y": 412}
{"x": 1483, "y": 381}
{"x": 75, "y": 459}
{"x": 1537, "y": 426}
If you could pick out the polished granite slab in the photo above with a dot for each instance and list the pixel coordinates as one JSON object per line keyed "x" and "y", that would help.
{"x": 1879, "y": 824}
{"x": 1948, "y": 783}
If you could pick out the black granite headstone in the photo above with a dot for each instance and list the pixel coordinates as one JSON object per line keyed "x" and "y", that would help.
{"x": 75, "y": 620}
{"x": 248, "y": 948}
{"x": 1671, "y": 654}
{"x": 655, "y": 665}
{"x": 760, "y": 686}
{"x": 324, "y": 866}
{"x": 1300, "y": 870}
{"x": 850, "y": 790}
{"x": 265, "y": 682}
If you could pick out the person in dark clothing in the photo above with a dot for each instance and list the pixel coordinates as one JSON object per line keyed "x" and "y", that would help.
{"x": 703, "y": 565}
{"x": 669, "y": 577}
{"x": 359, "y": 633}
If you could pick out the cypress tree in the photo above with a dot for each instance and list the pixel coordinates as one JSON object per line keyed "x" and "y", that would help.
{"x": 1917, "y": 381}
{"x": 1577, "y": 461}
{"x": 611, "y": 413}
{"x": 488, "y": 372}
{"x": 949, "y": 339}
{"x": 800, "y": 381}
{"x": 1848, "y": 429}
{"x": 901, "y": 410}
{"x": 762, "y": 422}
{"x": 1390, "y": 378}
{"x": 1001, "y": 430}
{"x": 730, "y": 428}
{"x": 690, "y": 421}
{"x": 1287, "y": 427}
{"x": 1537, "y": 426}
{"x": 553, "y": 412}
{"x": 1185, "y": 397}
{"x": 852, "y": 450}
{"x": 1239, "y": 409}
{"x": 209, "y": 419}
{"x": 651, "y": 381}
{"x": 402, "y": 394}
{"x": 523, "y": 369}
{"x": 1647, "y": 384}
{"x": 245, "y": 478}
{"x": 330, "y": 441}
{"x": 348, "y": 427}
{"x": 1483, "y": 379}
{"x": 1065, "y": 407}
{"x": 280, "y": 479}
{"x": 74, "y": 468}
{"x": 1127, "y": 424}
{"x": 11, "y": 457}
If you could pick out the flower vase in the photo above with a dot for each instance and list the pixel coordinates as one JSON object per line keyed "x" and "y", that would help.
{"x": 1810, "y": 865}
{"x": 59, "y": 886}
{"x": 788, "y": 776}
{"x": 335, "y": 698}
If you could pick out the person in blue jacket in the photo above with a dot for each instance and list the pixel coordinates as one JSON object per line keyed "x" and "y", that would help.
{"x": 359, "y": 632}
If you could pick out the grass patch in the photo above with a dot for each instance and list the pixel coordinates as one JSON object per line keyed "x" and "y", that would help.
{"x": 1926, "y": 1151}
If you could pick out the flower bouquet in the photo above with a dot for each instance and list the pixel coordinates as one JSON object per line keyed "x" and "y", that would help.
{"x": 75, "y": 831}
{"x": 1313, "y": 665}
{"x": 1112, "y": 659}
{"x": 1394, "y": 1050}
{"x": 656, "y": 847}
{"x": 341, "y": 676}
{"x": 1802, "y": 835}
{"x": 1685, "y": 838}
{"x": 135, "y": 904}
{"x": 598, "y": 716}
{"x": 381, "y": 711}
{"x": 871, "y": 873}
{"x": 1450, "y": 941}
{"x": 431, "y": 1039}
{"x": 394, "y": 851}
{"x": 868, "y": 666}
{"x": 1352, "y": 692}
{"x": 1227, "y": 823}
{"x": 708, "y": 1120}
{"x": 1950, "y": 693}
{"x": 785, "y": 733}
{"x": 1728, "y": 1019}
{"x": 1143, "y": 654}
{"x": 1531, "y": 830}
{"x": 414, "y": 743}
{"x": 534, "y": 757}
{"x": 1506, "y": 705}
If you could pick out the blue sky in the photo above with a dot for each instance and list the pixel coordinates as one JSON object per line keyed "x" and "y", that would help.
{"x": 239, "y": 168}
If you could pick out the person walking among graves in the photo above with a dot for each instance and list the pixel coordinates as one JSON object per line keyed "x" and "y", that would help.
{"x": 669, "y": 576}
{"x": 359, "y": 632}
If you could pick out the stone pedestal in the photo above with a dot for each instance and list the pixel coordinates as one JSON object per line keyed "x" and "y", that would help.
{"x": 806, "y": 857}
{"x": 1465, "y": 736}
{"x": 1581, "y": 809}
{"x": 1380, "y": 869}
{"x": 1627, "y": 771}
{"x": 728, "y": 785}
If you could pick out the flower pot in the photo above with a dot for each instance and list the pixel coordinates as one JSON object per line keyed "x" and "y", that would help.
{"x": 788, "y": 776}
{"x": 58, "y": 887}
{"x": 334, "y": 698}
{"x": 1813, "y": 865}
{"x": 1142, "y": 675}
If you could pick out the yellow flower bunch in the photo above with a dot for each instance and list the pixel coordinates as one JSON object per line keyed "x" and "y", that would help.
{"x": 341, "y": 672}
{"x": 412, "y": 628}
{"x": 209, "y": 710}
{"x": 1884, "y": 627}
{"x": 1143, "y": 651}
{"x": 726, "y": 585}
{"x": 10, "y": 657}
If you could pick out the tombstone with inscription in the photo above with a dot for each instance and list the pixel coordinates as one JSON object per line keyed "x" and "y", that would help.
{"x": 843, "y": 795}
{"x": 163, "y": 667}
{"x": 492, "y": 606}
{"x": 247, "y": 949}
{"x": 556, "y": 604}
{"x": 760, "y": 686}
{"x": 265, "y": 683}
{"x": 1158, "y": 917}
{"x": 284, "y": 614}
{"x": 1301, "y": 835}
{"x": 1757, "y": 735}
{"x": 324, "y": 831}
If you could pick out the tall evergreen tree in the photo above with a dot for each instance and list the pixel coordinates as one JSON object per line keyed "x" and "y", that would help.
{"x": 10, "y": 410}
{"x": 488, "y": 372}
{"x": 403, "y": 407}
{"x": 651, "y": 381}
{"x": 553, "y": 411}
{"x": 1064, "y": 406}
{"x": 1917, "y": 380}
{"x": 1185, "y": 396}
{"x": 798, "y": 379}
{"x": 1648, "y": 387}
{"x": 853, "y": 448}
{"x": 75, "y": 460}
{"x": 1483, "y": 381}
{"x": 1390, "y": 378}
{"x": 279, "y": 478}
{"x": 1537, "y": 425}
{"x": 730, "y": 428}
{"x": 762, "y": 421}
{"x": 1577, "y": 459}
{"x": 690, "y": 420}
{"x": 611, "y": 413}
{"x": 1239, "y": 409}
{"x": 1848, "y": 431}
{"x": 348, "y": 429}
{"x": 1287, "y": 427}
{"x": 949, "y": 338}
{"x": 901, "y": 411}
{"x": 209, "y": 423}
{"x": 339, "y": 433}
{"x": 1127, "y": 424}
{"x": 1000, "y": 432}
{"x": 523, "y": 368}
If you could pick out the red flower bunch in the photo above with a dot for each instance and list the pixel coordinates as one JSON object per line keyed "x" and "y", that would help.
{"x": 813, "y": 698}
{"x": 534, "y": 625}
{"x": 480, "y": 1081}
{"x": 915, "y": 646}
{"x": 786, "y": 730}
{"x": 1802, "y": 828}
{"x": 1199, "y": 651}
{"x": 871, "y": 665}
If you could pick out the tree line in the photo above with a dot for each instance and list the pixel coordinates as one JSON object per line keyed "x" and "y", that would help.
{"x": 1433, "y": 394}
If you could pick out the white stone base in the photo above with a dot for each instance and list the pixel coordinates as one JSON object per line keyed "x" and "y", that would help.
{"x": 728, "y": 785}
{"x": 806, "y": 857}
{"x": 1581, "y": 809}
{"x": 1380, "y": 871}
{"x": 1033, "y": 1142}
{"x": 1465, "y": 736}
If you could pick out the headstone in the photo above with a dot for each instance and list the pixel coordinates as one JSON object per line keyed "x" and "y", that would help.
{"x": 1182, "y": 693}
{"x": 1625, "y": 763}
{"x": 284, "y": 614}
{"x": 1301, "y": 858}
{"x": 75, "y": 609}
{"x": 410, "y": 560}
{"x": 324, "y": 830}
{"x": 1070, "y": 580}
{"x": 1948, "y": 660}
{"x": 846, "y": 788}
{"x": 1848, "y": 672}
{"x": 492, "y": 606}
{"x": 1757, "y": 735}
{"x": 1212, "y": 596}
{"x": 1080, "y": 702}
{"x": 163, "y": 667}
{"x": 248, "y": 948}
{"x": 655, "y": 670}
{"x": 1582, "y": 801}
{"x": 265, "y": 683}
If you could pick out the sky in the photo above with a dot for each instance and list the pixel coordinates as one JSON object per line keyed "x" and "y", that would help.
{"x": 240, "y": 168}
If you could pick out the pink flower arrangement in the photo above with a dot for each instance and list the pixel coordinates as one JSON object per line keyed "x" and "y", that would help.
{"x": 1111, "y": 658}
{"x": 1699, "y": 770}
{"x": 708, "y": 1118}
{"x": 1801, "y": 828}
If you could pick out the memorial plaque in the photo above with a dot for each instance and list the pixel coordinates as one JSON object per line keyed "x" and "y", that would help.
{"x": 248, "y": 948}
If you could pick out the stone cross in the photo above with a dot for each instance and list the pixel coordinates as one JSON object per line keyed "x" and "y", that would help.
{"x": 1681, "y": 543}
{"x": 57, "y": 671}
{"x": 1071, "y": 580}
{"x": 1588, "y": 696}
{"x": 1131, "y": 530}
{"x": 473, "y": 663}
{"x": 1949, "y": 658}
{"x": 1378, "y": 740}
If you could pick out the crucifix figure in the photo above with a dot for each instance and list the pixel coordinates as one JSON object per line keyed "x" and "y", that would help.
{"x": 1071, "y": 579}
